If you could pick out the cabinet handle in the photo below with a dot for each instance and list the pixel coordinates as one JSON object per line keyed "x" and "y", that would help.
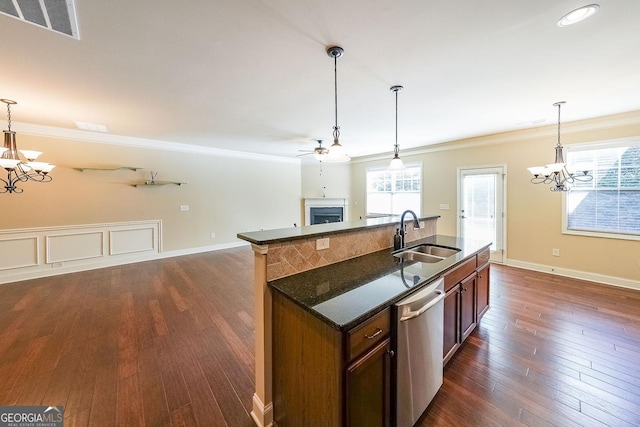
{"x": 375, "y": 334}
{"x": 391, "y": 353}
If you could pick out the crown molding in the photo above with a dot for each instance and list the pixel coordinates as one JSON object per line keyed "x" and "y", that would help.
{"x": 128, "y": 141}
{"x": 599, "y": 123}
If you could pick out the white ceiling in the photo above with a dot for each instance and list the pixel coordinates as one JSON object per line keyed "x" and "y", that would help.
{"x": 253, "y": 75}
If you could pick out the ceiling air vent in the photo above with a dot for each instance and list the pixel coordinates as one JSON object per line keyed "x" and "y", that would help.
{"x": 56, "y": 15}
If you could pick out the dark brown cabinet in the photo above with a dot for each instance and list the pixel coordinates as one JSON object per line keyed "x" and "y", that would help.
{"x": 467, "y": 306}
{"x": 322, "y": 376}
{"x": 368, "y": 388}
{"x": 467, "y": 299}
{"x": 483, "y": 290}
{"x": 451, "y": 325}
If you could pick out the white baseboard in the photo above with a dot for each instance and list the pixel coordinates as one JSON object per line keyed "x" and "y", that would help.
{"x": 575, "y": 274}
{"x": 262, "y": 414}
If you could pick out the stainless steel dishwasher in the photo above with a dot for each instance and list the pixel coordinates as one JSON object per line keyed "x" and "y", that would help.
{"x": 420, "y": 319}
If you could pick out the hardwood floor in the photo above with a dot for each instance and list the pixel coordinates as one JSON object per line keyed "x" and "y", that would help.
{"x": 159, "y": 343}
{"x": 170, "y": 343}
{"x": 550, "y": 351}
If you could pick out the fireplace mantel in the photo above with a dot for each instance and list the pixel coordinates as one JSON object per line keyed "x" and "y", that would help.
{"x": 324, "y": 202}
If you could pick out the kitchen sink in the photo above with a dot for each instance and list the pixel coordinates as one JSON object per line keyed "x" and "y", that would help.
{"x": 426, "y": 253}
{"x": 435, "y": 250}
{"x": 418, "y": 256}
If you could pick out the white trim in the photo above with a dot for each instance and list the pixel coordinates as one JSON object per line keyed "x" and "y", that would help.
{"x": 575, "y": 274}
{"x": 501, "y": 171}
{"x": 262, "y": 414}
{"x": 597, "y": 145}
{"x": 128, "y": 141}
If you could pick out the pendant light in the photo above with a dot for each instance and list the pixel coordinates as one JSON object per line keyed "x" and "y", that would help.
{"x": 557, "y": 173}
{"x": 336, "y": 152}
{"x": 396, "y": 162}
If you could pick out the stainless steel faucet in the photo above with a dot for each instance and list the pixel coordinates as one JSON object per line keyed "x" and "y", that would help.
{"x": 416, "y": 224}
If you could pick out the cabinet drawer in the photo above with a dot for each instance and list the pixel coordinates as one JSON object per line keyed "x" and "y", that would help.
{"x": 366, "y": 335}
{"x": 483, "y": 257}
{"x": 454, "y": 277}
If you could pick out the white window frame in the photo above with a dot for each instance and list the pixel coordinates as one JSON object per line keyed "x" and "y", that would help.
{"x": 623, "y": 142}
{"x": 382, "y": 168}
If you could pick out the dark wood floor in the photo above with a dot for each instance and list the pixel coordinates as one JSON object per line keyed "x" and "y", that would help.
{"x": 170, "y": 342}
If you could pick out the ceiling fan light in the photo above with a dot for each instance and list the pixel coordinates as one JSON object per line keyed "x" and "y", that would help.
{"x": 319, "y": 155}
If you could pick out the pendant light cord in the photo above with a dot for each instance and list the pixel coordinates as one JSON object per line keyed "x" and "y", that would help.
{"x": 396, "y": 148}
{"x": 336, "y": 128}
{"x": 559, "y": 105}
{"x": 9, "y": 117}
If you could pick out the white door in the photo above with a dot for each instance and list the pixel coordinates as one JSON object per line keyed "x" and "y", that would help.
{"x": 481, "y": 207}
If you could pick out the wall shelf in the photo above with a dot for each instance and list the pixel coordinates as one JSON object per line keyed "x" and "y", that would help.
{"x": 157, "y": 183}
{"x": 115, "y": 168}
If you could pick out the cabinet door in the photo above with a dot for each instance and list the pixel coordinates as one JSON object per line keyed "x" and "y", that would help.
{"x": 483, "y": 291}
{"x": 368, "y": 388}
{"x": 451, "y": 323}
{"x": 467, "y": 306}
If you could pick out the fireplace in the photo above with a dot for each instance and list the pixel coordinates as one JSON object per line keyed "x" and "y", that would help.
{"x": 322, "y": 215}
{"x": 321, "y": 211}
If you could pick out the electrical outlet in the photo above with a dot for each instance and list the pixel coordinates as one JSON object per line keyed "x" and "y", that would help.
{"x": 322, "y": 244}
{"x": 444, "y": 206}
{"x": 213, "y": 235}
{"x": 555, "y": 252}
{"x": 184, "y": 208}
{"x": 56, "y": 265}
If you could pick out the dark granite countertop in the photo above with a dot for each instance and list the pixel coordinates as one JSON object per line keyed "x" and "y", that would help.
{"x": 266, "y": 237}
{"x": 348, "y": 292}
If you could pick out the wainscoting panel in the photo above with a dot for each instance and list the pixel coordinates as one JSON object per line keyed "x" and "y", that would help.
{"x": 46, "y": 251}
{"x": 18, "y": 252}
{"x": 74, "y": 246}
{"x": 132, "y": 240}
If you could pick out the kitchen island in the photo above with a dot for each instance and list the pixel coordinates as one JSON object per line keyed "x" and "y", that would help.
{"x": 326, "y": 260}
{"x": 334, "y": 331}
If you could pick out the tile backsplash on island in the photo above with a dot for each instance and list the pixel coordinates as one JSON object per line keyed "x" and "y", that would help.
{"x": 288, "y": 258}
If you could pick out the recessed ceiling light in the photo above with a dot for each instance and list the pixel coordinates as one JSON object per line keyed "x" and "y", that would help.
{"x": 91, "y": 126}
{"x": 578, "y": 15}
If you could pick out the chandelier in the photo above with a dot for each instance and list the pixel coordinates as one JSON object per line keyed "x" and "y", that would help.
{"x": 558, "y": 174}
{"x": 336, "y": 152}
{"x": 19, "y": 170}
{"x": 396, "y": 162}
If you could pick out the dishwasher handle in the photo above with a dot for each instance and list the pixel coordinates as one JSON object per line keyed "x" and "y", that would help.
{"x": 413, "y": 314}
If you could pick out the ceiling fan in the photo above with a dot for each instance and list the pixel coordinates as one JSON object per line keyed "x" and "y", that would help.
{"x": 319, "y": 152}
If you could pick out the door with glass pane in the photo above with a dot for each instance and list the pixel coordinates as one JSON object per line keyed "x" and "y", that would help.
{"x": 481, "y": 207}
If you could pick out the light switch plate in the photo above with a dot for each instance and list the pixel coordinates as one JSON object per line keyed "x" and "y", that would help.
{"x": 184, "y": 208}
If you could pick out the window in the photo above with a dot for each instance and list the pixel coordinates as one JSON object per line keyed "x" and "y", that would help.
{"x": 393, "y": 192}
{"x": 609, "y": 205}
